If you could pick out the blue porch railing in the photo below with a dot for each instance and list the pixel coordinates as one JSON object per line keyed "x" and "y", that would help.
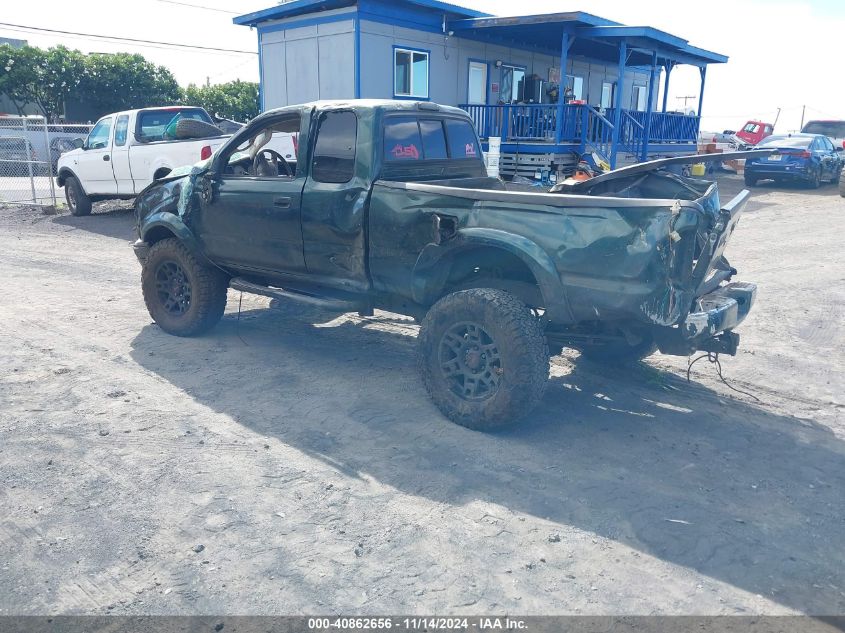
{"x": 583, "y": 125}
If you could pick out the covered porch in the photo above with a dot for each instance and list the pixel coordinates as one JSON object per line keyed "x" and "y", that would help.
{"x": 613, "y": 131}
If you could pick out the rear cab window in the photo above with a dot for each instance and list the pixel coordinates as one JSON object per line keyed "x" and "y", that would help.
{"x": 421, "y": 137}
{"x": 152, "y": 125}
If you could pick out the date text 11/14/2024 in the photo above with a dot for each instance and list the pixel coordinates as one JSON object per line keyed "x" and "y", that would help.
{"x": 419, "y": 623}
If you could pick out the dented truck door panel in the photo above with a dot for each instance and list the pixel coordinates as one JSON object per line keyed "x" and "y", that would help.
{"x": 335, "y": 203}
{"x": 252, "y": 221}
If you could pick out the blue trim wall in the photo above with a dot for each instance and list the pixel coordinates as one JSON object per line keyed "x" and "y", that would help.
{"x": 260, "y": 75}
{"x": 357, "y": 58}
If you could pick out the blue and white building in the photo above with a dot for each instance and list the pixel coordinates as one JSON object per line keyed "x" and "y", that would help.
{"x": 507, "y": 72}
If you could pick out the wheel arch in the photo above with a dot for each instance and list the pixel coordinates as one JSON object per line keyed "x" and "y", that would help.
{"x": 160, "y": 226}
{"x": 519, "y": 258}
{"x": 64, "y": 174}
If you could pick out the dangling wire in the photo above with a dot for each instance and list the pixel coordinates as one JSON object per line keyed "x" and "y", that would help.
{"x": 238, "y": 322}
{"x": 713, "y": 358}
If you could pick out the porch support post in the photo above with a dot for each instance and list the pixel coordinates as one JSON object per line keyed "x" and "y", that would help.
{"x": 617, "y": 104}
{"x": 652, "y": 83}
{"x": 668, "y": 68}
{"x": 703, "y": 71}
{"x": 565, "y": 43}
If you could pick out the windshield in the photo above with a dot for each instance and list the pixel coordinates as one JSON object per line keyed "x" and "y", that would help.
{"x": 787, "y": 141}
{"x": 836, "y": 129}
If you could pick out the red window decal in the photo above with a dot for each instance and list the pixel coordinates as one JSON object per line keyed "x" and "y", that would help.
{"x": 409, "y": 151}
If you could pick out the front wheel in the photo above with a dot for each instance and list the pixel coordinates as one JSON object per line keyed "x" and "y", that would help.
{"x": 483, "y": 358}
{"x": 841, "y": 185}
{"x": 184, "y": 296}
{"x": 77, "y": 201}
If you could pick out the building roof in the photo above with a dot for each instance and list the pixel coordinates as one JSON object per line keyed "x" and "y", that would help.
{"x": 595, "y": 37}
{"x": 303, "y": 7}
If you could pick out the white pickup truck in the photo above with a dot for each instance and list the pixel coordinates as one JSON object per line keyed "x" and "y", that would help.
{"x": 126, "y": 151}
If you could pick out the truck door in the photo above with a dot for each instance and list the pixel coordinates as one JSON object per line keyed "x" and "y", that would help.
{"x": 252, "y": 220}
{"x": 93, "y": 166}
{"x": 334, "y": 205}
{"x": 120, "y": 156}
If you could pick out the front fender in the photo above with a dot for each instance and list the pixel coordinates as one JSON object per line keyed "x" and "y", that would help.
{"x": 159, "y": 223}
{"x": 433, "y": 264}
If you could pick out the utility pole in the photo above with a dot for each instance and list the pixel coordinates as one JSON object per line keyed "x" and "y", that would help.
{"x": 803, "y": 108}
{"x": 777, "y": 116}
{"x": 687, "y": 98}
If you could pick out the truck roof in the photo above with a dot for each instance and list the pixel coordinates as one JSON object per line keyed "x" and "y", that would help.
{"x": 173, "y": 108}
{"x": 374, "y": 104}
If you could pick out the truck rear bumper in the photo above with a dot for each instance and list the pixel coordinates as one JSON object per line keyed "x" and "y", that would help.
{"x": 142, "y": 250}
{"x": 709, "y": 327}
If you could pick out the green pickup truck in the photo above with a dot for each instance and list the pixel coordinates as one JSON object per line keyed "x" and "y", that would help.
{"x": 388, "y": 206}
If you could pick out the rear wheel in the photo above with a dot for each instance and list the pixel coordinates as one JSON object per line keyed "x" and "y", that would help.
{"x": 814, "y": 180}
{"x": 77, "y": 201}
{"x": 483, "y": 358}
{"x": 183, "y": 295}
{"x": 750, "y": 180}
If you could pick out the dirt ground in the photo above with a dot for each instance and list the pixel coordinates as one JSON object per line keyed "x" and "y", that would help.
{"x": 289, "y": 461}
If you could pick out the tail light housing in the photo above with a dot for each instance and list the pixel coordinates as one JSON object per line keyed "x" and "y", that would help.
{"x": 205, "y": 152}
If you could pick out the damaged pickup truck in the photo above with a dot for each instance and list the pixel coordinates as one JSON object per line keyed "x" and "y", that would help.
{"x": 387, "y": 206}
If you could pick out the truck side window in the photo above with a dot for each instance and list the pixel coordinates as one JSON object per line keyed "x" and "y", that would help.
{"x": 402, "y": 139}
{"x": 334, "y": 151}
{"x": 99, "y": 136}
{"x": 120, "y": 129}
{"x": 433, "y": 139}
{"x": 462, "y": 140}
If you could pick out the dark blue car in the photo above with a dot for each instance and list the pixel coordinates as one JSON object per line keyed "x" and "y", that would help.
{"x": 809, "y": 158}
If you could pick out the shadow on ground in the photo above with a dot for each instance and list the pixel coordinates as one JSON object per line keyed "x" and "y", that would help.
{"x": 106, "y": 219}
{"x": 732, "y": 491}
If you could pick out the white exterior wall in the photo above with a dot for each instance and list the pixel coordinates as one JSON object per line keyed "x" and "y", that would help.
{"x": 307, "y": 63}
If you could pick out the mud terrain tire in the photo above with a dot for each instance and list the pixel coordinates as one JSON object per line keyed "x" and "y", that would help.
{"x": 483, "y": 357}
{"x": 184, "y": 296}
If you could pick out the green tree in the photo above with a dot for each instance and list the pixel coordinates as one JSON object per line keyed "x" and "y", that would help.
{"x": 125, "y": 81}
{"x": 236, "y": 100}
{"x": 44, "y": 78}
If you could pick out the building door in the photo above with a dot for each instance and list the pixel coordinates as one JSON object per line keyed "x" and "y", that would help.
{"x": 477, "y": 90}
{"x": 607, "y": 90}
{"x": 640, "y": 98}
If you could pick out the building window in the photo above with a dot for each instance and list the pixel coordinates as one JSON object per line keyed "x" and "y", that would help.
{"x": 640, "y": 98}
{"x": 410, "y": 73}
{"x": 513, "y": 84}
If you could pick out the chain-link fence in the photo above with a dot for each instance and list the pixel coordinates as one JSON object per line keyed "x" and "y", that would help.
{"x": 29, "y": 151}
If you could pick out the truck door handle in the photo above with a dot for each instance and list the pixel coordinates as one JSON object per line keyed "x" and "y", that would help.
{"x": 106, "y": 157}
{"x": 283, "y": 202}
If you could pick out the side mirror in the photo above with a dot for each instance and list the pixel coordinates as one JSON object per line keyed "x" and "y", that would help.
{"x": 838, "y": 148}
{"x": 78, "y": 143}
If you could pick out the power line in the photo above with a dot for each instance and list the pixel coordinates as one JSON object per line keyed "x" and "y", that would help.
{"x": 126, "y": 39}
{"x": 196, "y": 6}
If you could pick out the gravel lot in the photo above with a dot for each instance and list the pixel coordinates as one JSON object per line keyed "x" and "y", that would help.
{"x": 290, "y": 462}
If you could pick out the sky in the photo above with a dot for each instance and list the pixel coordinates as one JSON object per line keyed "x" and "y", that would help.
{"x": 783, "y": 53}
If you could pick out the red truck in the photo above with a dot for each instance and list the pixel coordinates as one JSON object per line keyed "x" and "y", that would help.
{"x": 755, "y": 131}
